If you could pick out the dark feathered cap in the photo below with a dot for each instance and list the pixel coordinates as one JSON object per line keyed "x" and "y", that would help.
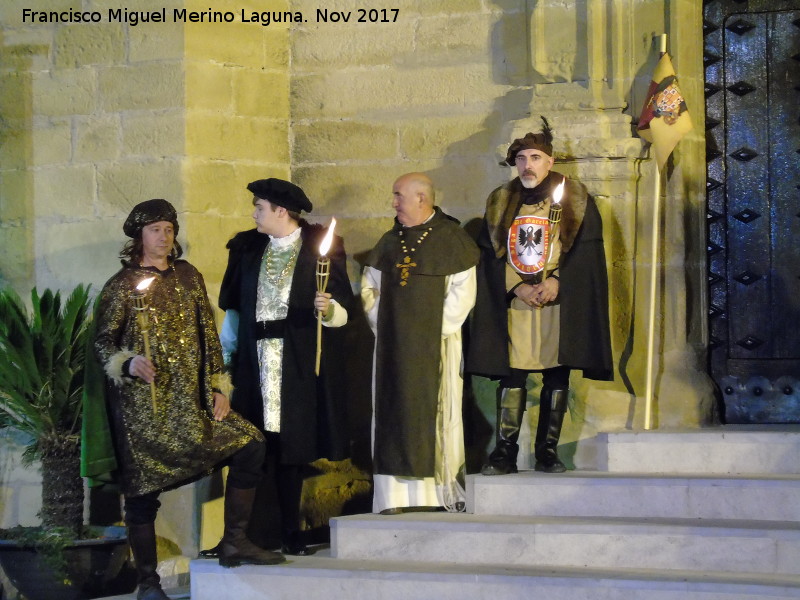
{"x": 539, "y": 141}
{"x": 282, "y": 193}
{"x": 150, "y": 211}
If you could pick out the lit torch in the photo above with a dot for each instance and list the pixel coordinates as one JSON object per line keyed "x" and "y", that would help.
{"x": 555, "y": 218}
{"x": 139, "y": 298}
{"x": 323, "y": 273}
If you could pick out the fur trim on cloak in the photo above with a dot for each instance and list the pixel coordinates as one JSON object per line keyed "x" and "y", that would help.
{"x": 503, "y": 206}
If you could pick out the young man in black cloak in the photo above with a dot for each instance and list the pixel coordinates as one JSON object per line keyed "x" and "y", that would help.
{"x": 542, "y": 303}
{"x": 269, "y": 341}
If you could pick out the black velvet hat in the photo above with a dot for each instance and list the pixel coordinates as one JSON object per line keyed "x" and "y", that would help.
{"x": 150, "y": 211}
{"x": 281, "y": 193}
{"x": 532, "y": 141}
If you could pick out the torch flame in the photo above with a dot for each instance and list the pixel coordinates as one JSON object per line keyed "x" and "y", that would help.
{"x": 326, "y": 241}
{"x": 144, "y": 284}
{"x": 559, "y": 191}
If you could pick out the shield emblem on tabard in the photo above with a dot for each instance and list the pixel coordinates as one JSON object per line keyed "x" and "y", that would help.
{"x": 528, "y": 242}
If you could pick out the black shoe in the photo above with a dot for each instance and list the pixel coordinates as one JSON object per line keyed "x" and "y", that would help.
{"x": 297, "y": 549}
{"x": 498, "y": 468}
{"x": 550, "y": 466}
{"x": 210, "y": 552}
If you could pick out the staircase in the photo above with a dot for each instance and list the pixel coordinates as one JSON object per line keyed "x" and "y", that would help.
{"x": 706, "y": 514}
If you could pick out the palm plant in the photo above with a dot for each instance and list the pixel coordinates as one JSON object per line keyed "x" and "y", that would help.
{"x": 41, "y": 383}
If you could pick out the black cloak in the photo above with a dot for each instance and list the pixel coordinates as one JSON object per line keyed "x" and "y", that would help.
{"x": 313, "y": 418}
{"x": 585, "y": 337}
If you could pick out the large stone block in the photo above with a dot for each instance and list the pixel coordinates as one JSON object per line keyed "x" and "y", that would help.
{"x": 239, "y": 44}
{"x": 209, "y": 86}
{"x": 16, "y": 101}
{"x": 89, "y": 44}
{"x": 16, "y": 205}
{"x": 349, "y": 189}
{"x": 16, "y": 248}
{"x": 465, "y": 36}
{"x": 16, "y": 146}
{"x": 64, "y": 92}
{"x": 261, "y": 93}
{"x": 210, "y": 187}
{"x": 360, "y": 236}
{"x": 64, "y": 191}
{"x": 334, "y": 141}
{"x": 163, "y": 41}
{"x": 352, "y": 45}
{"x": 11, "y": 11}
{"x": 149, "y": 86}
{"x": 81, "y": 251}
{"x": 97, "y": 138}
{"x": 442, "y": 137}
{"x": 376, "y": 93}
{"x": 123, "y": 184}
{"x": 222, "y": 137}
{"x": 450, "y": 7}
{"x": 51, "y": 141}
{"x": 205, "y": 247}
{"x": 147, "y": 134}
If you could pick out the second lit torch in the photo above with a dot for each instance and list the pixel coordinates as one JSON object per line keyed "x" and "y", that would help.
{"x": 555, "y": 218}
{"x": 323, "y": 274}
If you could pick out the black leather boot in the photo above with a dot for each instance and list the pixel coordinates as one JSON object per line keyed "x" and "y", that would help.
{"x": 142, "y": 539}
{"x": 235, "y": 548}
{"x": 552, "y": 406}
{"x": 510, "y": 410}
{"x": 293, "y": 544}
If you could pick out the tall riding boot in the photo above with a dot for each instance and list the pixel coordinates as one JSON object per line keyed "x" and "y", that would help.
{"x": 552, "y": 406}
{"x": 142, "y": 539}
{"x": 235, "y": 548}
{"x": 290, "y": 492}
{"x": 510, "y": 410}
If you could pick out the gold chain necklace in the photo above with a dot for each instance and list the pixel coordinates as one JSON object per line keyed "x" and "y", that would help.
{"x": 407, "y": 262}
{"x": 289, "y": 265}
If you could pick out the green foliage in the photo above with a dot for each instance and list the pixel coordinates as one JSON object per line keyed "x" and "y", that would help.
{"x": 41, "y": 365}
{"x": 49, "y": 542}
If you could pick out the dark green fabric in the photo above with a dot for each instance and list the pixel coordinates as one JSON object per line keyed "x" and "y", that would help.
{"x": 98, "y": 461}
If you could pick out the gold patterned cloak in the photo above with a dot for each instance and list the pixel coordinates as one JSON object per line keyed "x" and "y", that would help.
{"x": 179, "y": 440}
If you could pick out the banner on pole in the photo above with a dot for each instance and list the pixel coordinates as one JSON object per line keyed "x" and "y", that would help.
{"x": 665, "y": 118}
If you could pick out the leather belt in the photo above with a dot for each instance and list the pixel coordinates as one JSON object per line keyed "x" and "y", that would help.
{"x": 270, "y": 329}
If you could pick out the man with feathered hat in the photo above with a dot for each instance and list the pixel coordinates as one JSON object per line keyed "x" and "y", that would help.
{"x": 542, "y": 303}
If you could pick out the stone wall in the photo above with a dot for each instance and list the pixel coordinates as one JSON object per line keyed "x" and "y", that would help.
{"x": 94, "y": 118}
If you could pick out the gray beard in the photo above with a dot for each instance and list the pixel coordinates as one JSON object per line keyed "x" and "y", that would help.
{"x": 531, "y": 182}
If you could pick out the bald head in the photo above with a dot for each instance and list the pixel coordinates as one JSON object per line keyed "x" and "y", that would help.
{"x": 413, "y": 198}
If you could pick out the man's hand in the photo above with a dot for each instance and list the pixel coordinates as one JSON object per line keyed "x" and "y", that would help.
{"x": 539, "y": 294}
{"x": 322, "y": 302}
{"x": 142, "y": 368}
{"x": 222, "y": 406}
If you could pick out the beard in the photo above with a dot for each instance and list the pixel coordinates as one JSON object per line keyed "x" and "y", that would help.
{"x": 529, "y": 180}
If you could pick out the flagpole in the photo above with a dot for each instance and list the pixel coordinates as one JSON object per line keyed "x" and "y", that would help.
{"x": 651, "y": 326}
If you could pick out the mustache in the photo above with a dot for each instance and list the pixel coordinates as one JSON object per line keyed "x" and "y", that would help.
{"x": 528, "y": 172}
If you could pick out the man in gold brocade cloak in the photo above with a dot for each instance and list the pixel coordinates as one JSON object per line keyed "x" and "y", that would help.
{"x": 186, "y": 429}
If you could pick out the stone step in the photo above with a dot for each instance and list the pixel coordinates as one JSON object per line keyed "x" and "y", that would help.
{"x": 595, "y": 494}
{"x": 720, "y": 450}
{"x": 321, "y": 577}
{"x": 599, "y": 543}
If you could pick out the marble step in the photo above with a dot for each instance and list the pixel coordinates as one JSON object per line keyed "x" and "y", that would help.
{"x": 321, "y": 577}
{"x": 594, "y": 494}
{"x": 599, "y": 543}
{"x": 727, "y": 450}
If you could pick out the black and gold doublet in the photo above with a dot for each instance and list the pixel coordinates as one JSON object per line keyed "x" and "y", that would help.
{"x": 180, "y": 440}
